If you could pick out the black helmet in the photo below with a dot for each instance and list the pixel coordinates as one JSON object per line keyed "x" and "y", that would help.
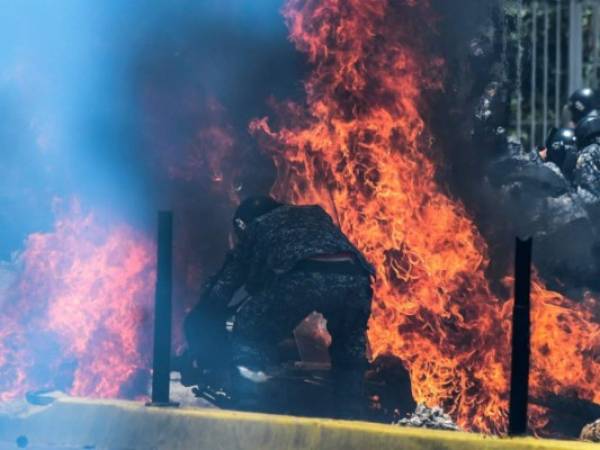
{"x": 559, "y": 143}
{"x": 250, "y": 209}
{"x": 588, "y": 130}
{"x": 582, "y": 102}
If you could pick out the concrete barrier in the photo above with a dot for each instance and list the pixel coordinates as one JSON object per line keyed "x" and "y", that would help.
{"x": 69, "y": 423}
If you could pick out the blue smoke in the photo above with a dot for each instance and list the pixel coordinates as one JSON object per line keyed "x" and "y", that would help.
{"x": 71, "y": 77}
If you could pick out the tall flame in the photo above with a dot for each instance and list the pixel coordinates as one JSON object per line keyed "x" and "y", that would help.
{"x": 76, "y": 316}
{"x": 359, "y": 148}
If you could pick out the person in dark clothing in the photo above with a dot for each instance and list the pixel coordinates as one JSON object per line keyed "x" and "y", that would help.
{"x": 581, "y": 103}
{"x": 560, "y": 149}
{"x": 290, "y": 261}
{"x": 587, "y": 167}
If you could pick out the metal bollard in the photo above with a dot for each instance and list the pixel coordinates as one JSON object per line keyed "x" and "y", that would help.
{"x": 519, "y": 377}
{"x": 162, "y": 313}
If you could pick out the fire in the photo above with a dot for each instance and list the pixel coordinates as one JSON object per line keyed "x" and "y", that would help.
{"x": 565, "y": 345}
{"x": 76, "y": 316}
{"x": 359, "y": 147}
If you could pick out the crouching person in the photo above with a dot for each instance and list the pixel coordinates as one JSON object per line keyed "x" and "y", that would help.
{"x": 291, "y": 261}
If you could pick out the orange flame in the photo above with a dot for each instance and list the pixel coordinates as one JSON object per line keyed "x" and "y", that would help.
{"x": 80, "y": 303}
{"x": 565, "y": 345}
{"x": 360, "y": 149}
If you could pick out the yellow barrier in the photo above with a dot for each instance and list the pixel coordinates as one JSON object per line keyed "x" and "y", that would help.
{"x": 111, "y": 424}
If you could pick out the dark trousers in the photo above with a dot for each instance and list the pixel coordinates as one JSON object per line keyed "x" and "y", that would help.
{"x": 269, "y": 316}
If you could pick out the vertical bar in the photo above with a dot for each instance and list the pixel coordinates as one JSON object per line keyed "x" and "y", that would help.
{"x": 519, "y": 70}
{"x": 519, "y": 376}
{"x": 575, "y": 46}
{"x": 502, "y": 11}
{"x": 162, "y": 312}
{"x": 545, "y": 82}
{"x": 596, "y": 43}
{"x": 533, "y": 73}
{"x": 558, "y": 45}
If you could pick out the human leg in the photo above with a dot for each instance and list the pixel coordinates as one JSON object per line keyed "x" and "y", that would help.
{"x": 347, "y": 312}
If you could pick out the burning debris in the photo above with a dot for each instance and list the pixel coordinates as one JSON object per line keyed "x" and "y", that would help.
{"x": 434, "y": 418}
{"x": 591, "y": 432}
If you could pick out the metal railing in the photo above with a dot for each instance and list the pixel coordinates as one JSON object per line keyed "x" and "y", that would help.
{"x": 554, "y": 49}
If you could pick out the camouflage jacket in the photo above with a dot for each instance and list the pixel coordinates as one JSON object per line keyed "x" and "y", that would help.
{"x": 273, "y": 244}
{"x": 586, "y": 174}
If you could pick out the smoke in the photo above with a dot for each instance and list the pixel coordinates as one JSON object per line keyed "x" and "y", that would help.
{"x": 506, "y": 190}
{"x": 130, "y": 108}
{"x": 133, "y": 108}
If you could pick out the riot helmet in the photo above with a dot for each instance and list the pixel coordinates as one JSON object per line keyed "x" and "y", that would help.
{"x": 559, "y": 143}
{"x": 582, "y": 102}
{"x": 250, "y": 209}
{"x": 588, "y": 130}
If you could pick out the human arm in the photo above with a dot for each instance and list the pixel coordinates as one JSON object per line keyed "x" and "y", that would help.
{"x": 204, "y": 326}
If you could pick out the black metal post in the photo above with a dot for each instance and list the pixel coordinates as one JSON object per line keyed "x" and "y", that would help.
{"x": 162, "y": 313}
{"x": 519, "y": 377}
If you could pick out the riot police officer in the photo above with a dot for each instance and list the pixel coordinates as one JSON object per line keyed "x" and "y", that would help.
{"x": 561, "y": 149}
{"x": 581, "y": 103}
{"x": 291, "y": 261}
{"x": 586, "y": 174}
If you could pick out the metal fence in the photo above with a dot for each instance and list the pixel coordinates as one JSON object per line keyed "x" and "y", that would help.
{"x": 556, "y": 51}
